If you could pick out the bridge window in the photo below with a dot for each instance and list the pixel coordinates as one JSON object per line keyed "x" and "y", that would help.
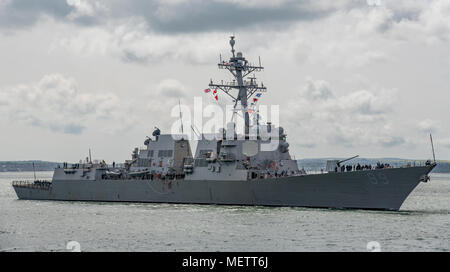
{"x": 144, "y": 162}
{"x": 165, "y": 153}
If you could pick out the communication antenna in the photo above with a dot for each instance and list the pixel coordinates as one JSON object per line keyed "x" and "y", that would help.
{"x": 196, "y": 133}
{"x": 239, "y": 89}
{"x": 34, "y": 172}
{"x": 432, "y": 148}
{"x": 181, "y": 119}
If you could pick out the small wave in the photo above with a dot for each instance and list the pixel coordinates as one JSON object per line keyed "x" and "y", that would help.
{"x": 425, "y": 212}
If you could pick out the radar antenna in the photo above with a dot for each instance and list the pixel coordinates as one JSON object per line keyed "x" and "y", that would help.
{"x": 432, "y": 148}
{"x": 181, "y": 120}
{"x": 240, "y": 68}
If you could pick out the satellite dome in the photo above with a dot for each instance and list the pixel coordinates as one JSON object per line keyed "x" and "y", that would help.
{"x": 156, "y": 132}
{"x": 232, "y": 41}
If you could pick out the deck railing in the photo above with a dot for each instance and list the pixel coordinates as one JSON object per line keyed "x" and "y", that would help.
{"x": 37, "y": 184}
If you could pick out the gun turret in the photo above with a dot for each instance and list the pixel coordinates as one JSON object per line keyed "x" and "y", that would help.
{"x": 339, "y": 162}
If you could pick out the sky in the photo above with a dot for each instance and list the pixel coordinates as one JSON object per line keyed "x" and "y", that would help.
{"x": 351, "y": 77}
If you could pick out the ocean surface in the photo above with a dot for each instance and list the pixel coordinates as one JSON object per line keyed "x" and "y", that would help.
{"x": 423, "y": 224}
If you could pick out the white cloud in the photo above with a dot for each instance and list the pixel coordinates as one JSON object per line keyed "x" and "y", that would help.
{"x": 385, "y": 67}
{"x": 85, "y": 8}
{"x": 55, "y": 103}
{"x": 368, "y": 103}
{"x": 428, "y": 126}
{"x": 318, "y": 89}
{"x": 171, "y": 88}
{"x": 431, "y": 24}
{"x": 131, "y": 41}
{"x": 356, "y": 119}
{"x": 364, "y": 37}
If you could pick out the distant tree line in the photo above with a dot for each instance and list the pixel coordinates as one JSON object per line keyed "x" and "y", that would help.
{"x": 22, "y": 166}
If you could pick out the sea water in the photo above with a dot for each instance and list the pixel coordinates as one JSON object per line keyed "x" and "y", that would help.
{"x": 422, "y": 224}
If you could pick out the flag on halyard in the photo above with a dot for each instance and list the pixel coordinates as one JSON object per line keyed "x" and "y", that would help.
{"x": 258, "y": 94}
{"x": 255, "y": 100}
{"x": 214, "y": 93}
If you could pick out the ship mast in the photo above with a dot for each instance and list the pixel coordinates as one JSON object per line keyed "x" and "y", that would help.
{"x": 240, "y": 68}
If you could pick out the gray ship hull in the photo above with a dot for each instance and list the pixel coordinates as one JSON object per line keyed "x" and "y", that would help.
{"x": 384, "y": 189}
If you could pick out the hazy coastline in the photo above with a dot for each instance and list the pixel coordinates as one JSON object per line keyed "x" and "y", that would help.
{"x": 309, "y": 164}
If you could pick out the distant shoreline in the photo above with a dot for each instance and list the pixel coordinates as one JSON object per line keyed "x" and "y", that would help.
{"x": 308, "y": 164}
{"x": 25, "y": 166}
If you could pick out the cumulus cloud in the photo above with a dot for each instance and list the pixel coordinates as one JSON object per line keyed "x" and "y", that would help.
{"x": 130, "y": 41}
{"x": 133, "y": 40}
{"x": 24, "y": 13}
{"x": 170, "y": 16}
{"x": 358, "y": 48}
{"x": 55, "y": 103}
{"x": 86, "y": 11}
{"x": 318, "y": 89}
{"x": 357, "y": 35}
{"x": 171, "y": 88}
{"x": 183, "y": 16}
{"x": 431, "y": 25}
{"x": 354, "y": 119}
{"x": 368, "y": 103}
{"x": 199, "y": 16}
{"x": 428, "y": 125}
{"x": 145, "y": 32}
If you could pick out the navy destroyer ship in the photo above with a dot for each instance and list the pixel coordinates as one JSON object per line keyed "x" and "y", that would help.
{"x": 228, "y": 169}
